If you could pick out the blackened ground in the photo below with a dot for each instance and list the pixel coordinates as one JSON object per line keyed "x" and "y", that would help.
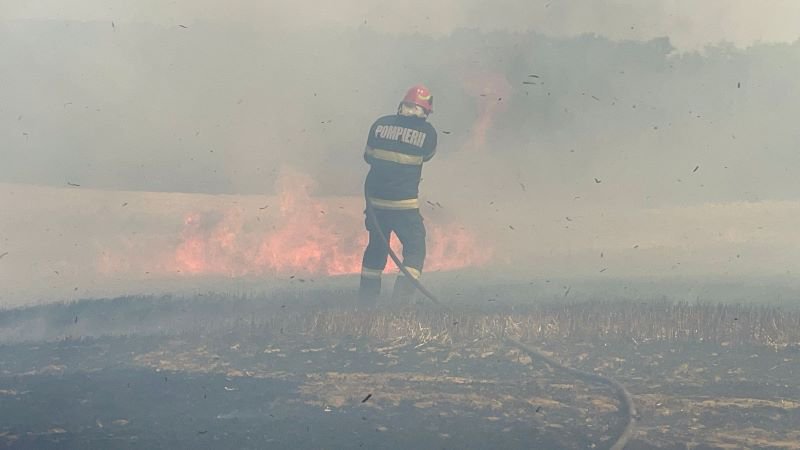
{"x": 130, "y": 408}
{"x": 113, "y": 393}
{"x": 293, "y": 370}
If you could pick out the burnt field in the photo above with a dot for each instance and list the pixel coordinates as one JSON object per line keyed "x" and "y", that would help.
{"x": 304, "y": 369}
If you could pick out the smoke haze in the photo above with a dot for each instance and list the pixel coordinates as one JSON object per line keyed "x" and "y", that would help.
{"x": 689, "y": 24}
{"x": 578, "y": 138}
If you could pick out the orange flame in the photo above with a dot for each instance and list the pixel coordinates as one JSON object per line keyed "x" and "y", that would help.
{"x": 492, "y": 91}
{"x": 307, "y": 237}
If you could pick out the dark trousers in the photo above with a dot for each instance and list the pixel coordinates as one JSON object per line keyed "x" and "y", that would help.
{"x": 408, "y": 226}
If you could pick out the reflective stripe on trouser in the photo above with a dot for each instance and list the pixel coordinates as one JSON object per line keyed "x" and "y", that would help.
{"x": 371, "y": 273}
{"x": 415, "y": 273}
{"x": 409, "y": 228}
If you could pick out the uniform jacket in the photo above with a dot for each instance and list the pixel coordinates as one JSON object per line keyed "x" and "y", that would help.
{"x": 397, "y": 146}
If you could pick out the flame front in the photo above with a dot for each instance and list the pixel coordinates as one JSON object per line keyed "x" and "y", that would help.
{"x": 491, "y": 91}
{"x": 306, "y": 235}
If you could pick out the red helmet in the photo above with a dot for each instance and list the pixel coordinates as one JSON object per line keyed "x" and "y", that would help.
{"x": 420, "y": 95}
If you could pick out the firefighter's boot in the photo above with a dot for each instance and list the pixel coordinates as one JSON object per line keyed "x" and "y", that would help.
{"x": 368, "y": 292}
{"x": 404, "y": 291}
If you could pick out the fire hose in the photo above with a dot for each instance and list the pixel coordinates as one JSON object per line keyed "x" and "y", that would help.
{"x": 627, "y": 406}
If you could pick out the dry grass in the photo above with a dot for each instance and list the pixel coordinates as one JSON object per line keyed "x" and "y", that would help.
{"x": 726, "y": 325}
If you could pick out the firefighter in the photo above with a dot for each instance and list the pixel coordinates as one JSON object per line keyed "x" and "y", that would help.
{"x": 397, "y": 146}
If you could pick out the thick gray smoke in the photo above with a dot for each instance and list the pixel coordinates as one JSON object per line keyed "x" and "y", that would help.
{"x": 691, "y": 25}
{"x": 578, "y": 138}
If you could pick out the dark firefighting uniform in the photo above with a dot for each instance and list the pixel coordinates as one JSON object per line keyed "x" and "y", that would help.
{"x": 397, "y": 147}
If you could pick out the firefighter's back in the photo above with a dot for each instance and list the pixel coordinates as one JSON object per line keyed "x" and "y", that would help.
{"x": 397, "y": 147}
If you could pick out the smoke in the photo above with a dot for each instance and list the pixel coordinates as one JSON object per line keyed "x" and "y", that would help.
{"x": 689, "y": 24}
{"x": 569, "y": 129}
